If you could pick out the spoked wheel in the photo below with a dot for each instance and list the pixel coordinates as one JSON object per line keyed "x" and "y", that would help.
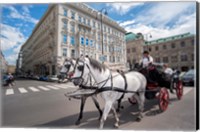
{"x": 132, "y": 100}
{"x": 179, "y": 89}
{"x": 163, "y": 99}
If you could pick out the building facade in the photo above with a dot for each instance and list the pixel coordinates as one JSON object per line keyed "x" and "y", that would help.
{"x": 69, "y": 30}
{"x": 3, "y": 63}
{"x": 177, "y": 51}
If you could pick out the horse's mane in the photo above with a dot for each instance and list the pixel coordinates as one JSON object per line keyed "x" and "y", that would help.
{"x": 97, "y": 65}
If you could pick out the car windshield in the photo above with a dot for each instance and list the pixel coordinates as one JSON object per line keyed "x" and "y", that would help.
{"x": 189, "y": 73}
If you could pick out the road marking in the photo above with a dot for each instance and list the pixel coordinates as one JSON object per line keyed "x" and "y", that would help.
{"x": 64, "y": 87}
{"x": 43, "y": 88}
{"x": 186, "y": 90}
{"x": 52, "y": 87}
{"x": 22, "y": 90}
{"x": 9, "y": 91}
{"x": 34, "y": 89}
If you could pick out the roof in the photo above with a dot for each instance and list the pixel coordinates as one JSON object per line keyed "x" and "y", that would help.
{"x": 171, "y": 38}
{"x": 132, "y": 36}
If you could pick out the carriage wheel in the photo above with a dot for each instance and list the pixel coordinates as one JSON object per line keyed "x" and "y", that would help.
{"x": 132, "y": 100}
{"x": 163, "y": 99}
{"x": 179, "y": 89}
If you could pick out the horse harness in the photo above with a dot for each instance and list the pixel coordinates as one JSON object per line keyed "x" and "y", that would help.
{"x": 102, "y": 88}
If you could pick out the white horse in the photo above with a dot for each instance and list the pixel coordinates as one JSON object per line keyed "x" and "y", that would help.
{"x": 111, "y": 87}
{"x": 68, "y": 68}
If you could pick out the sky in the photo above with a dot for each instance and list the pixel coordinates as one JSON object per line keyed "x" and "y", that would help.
{"x": 160, "y": 19}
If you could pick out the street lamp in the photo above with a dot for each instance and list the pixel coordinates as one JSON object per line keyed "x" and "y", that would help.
{"x": 146, "y": 36}
{"x": 103, "y": 10}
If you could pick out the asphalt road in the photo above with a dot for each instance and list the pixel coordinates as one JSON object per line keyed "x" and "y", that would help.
{"x": 43, "y": 105}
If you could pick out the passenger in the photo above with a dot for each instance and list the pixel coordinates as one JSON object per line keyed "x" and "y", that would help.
{"x": 146, "y": 60}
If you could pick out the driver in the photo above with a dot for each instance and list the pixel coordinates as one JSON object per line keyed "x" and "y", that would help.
{"x": 146, "y": 60}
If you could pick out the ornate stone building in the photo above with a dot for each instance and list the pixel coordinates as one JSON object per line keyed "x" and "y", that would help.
{"x": 178, "y": 51}
{"x": 69, "y": 30}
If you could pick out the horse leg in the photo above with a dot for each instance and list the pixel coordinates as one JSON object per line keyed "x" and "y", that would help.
{"x": 116, "y": 117}
{"x": 97, "y": 105}
{"x": 106, "y": 111}
{"x": 140, "y": 99}
{"x": 83, "y": 99}
{"x": 119, "y": 105}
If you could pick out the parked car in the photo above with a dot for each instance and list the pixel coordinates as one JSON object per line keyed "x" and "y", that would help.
{"x": 52, "y": 78}
{"x": 43, "y": 78}
{"x": 189, "y": 78}
{"x": 4, "y": 80}
{"x": 35, "y": 77}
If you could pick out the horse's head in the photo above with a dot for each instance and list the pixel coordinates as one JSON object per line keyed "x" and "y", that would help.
{"x": 81, "y": 70}
{"x": 68, "y": 67}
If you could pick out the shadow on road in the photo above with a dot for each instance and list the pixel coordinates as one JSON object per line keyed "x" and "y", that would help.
{"x": 90, "y": 118}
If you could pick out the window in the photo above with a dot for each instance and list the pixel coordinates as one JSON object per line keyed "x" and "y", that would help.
{"x": 174, "y": 59}
{"x": 165, "y": 59}
{"x": 182, "y": 44}
{"x": 164, "y": 47}
{"x": 157, "y": 59}
{"x": 65, "y": 24}
{"x": 94, "y": 24}
{"x": 86, "y": 41}
{"x": 108, "y": 30}
{"x": 65, "y": 38}
{"x": 91, "y": 43}
{"x": 133, "y": 49}
{"x": 73, "y": 53}
{"x": 72, "y": 27}
{"x": 192, "y": 42}
{"x": 192, "y": 57}
{"x": 72, "y": 40}
{"x": 156, "y": 48}
{"x": 98, "y": 25}
{"x": 99, "y": 36}
{"x": 84, "y": 20}
{"x": 65, "y": 12}
{"x": 79, "y": 18}
{"x": 128, "y": 50}
{"x": 173, "y": 45}
{"x": 184, "y": 57}
{"x": 72, "y": 15}
{"x": 82, "y": 40}
{"x": 65, "y": 52}
{"x": 88, "y": 22}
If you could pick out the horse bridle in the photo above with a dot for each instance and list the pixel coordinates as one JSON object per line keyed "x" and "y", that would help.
{"x": 81, "y": 68}
{"x": 68, "y": 66}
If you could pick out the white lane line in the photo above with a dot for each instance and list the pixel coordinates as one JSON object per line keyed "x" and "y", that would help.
{"x": 186, "y": 90}
{"x": 52, "y": 87}
{"x": 64, "y": 87}
{"x": 22, "y": 90}
{"x": 9, "y": 91}
{"x": 34, "y": 89}
{"x": 43, "y": 88}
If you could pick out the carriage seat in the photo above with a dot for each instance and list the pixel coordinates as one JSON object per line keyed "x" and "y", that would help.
{"x": 152, "y": 85}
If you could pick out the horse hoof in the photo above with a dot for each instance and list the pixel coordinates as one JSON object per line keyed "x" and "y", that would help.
{"x": 116, "y": 126}
{"x": 77, "y": 122}
{"x": 138, "y": 119}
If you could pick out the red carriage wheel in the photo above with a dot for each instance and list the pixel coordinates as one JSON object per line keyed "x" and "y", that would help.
{"x": 163, "y": 99}
{"x": 132, "y": 100}
{"x": 179, "y": 89}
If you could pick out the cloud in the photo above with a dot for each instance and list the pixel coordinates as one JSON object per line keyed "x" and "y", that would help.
{"x": 162, "y": 13}
{"x": 164, "y": 19}
{"x": 123, "y": 8}
{"x": 11, "y": 59}
{"x": 24, "y": 15}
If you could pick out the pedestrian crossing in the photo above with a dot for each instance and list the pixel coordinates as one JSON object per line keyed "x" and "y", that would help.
{"x": 35, "y": 89}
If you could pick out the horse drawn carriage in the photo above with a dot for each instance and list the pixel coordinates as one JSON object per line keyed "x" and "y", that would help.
{"x": 158, "y": 84}
{"x": 115, "y": 87}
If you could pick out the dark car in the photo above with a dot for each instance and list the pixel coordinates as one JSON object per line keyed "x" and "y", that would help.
{"x": 189, "y": 78}
{"x": 43, "y": 78}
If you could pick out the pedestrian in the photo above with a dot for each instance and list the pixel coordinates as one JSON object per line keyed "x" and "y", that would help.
{"x": 169, "y": 75}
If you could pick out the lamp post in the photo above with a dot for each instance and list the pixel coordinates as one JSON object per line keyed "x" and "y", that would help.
{"x": 146, "y": 36}
{"x": 103, "y": 10}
